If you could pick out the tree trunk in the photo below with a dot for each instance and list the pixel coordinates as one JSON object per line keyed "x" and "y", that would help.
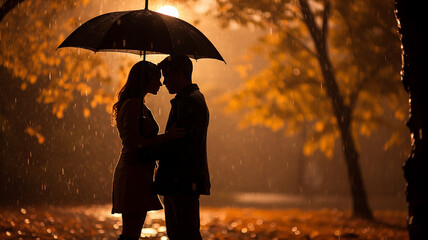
{"x": 412, "y": 25}
{"x": 360, "y": 204}
{"x": 342, "y": 112}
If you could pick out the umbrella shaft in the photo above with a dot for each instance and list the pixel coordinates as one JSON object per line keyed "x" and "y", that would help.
{"x": 147, "y": 4}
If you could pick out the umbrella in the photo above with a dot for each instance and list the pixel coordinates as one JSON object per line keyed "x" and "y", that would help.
{"x": 141, "y": 32}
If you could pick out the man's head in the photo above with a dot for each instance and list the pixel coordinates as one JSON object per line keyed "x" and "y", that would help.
{"x": 177, "y": 72}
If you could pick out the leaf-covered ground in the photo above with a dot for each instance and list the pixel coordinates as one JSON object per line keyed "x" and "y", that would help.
{"x": 96, "y": 222}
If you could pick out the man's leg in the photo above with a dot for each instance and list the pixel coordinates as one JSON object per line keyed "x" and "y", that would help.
{"x": 183, "y": 216}
{"x": 170, "y": 218}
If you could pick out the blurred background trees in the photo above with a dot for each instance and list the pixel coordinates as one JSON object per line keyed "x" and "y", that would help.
{"x": 332, "y": 65}
{"x": 47, "y": 100}
{"x": 29, "y": 36}
{"x": 58, "y": 144}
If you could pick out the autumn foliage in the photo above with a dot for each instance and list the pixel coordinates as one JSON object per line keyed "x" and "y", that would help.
{"x": 95, "y": 222}
{"x": 30, "y": 35}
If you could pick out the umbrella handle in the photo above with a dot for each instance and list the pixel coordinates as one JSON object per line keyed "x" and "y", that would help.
{"x": 143, "y": 70}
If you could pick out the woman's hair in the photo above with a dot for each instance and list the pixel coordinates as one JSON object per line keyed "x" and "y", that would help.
{"x": 138, "y": 79}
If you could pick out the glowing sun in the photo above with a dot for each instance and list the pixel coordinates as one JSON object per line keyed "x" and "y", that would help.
{"x": 168, "y": 10}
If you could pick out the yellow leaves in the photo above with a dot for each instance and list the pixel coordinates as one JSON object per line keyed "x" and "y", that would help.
{"x": 21, "y": 72}
{"x": 275, "y": 123}
{"x": 47, "y": 96}
{"x": 309, "y": 148}
{"x": 399, "y": 114}
{"x": 243, "y": 69}
{"x": 311, "y": 73}
{"x": 366, "y": 114}
{"x": 220, "y": 223}
{"x": 394, "y": 139}
{"x": 33, "y": 79}
{"x": 324, "y": 142}
{"x": 34, "y": 132}
{"x": 281, "y": 101}
{"x": 86, "y": 112}
{"x": 365, "y": 129}
{"x": 272, "y": 39}
{"x": 84, "y": 89}
{"x": 319, "y": 126}
{"x": 72, "y": 21}
{"x": 58, "y": 109}
{"x": 31, "y": 54}
{"x": 97, "y": 100}
{"x": 38, "y": 24}
{"x": 234, "y": 104}
{"x": 102, "y": 98}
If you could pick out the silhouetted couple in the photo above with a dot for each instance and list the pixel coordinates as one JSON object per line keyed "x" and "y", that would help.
{"x": 182, "y": 171}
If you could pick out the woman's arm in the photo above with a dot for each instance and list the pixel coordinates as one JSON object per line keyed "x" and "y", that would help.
{"x": 131, "y": 134}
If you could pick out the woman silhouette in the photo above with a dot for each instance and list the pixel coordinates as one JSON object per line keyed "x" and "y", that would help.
{"x": 138, "y": 130}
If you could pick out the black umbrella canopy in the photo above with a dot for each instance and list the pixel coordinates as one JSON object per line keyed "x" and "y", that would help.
{"x": 142, "y": 32}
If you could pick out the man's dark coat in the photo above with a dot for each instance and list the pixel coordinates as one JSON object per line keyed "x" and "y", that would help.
{"x": 183, "y": 167}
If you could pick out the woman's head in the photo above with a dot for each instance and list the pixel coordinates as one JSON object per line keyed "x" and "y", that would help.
{"x": 141, "y": 75}
{"x": 143, "y": 78}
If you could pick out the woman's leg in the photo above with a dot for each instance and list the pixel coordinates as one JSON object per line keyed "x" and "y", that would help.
{"x": 132, "y": 224}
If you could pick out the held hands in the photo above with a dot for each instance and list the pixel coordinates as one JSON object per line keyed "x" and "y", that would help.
{"x": 174, "y": 132}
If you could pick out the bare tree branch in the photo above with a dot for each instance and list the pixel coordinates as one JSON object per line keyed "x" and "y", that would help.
{"x": 324, "y": 29}
{"x": 302, "y": 44}
{"x": 309, "y": 20}
{"x": 353, "y": 97}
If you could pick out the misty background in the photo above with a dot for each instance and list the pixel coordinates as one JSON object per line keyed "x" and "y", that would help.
{"x": 45, "y": 159}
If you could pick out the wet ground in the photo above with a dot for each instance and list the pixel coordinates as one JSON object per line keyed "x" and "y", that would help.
{"x": 301, "y": 201}
{"x": 96, "y": 222}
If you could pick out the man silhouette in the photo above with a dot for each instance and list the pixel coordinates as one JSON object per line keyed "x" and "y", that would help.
{"x": 183, "y": 174}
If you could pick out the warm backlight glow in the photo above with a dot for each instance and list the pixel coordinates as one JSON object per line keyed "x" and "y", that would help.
{"x": 169, "y": 10}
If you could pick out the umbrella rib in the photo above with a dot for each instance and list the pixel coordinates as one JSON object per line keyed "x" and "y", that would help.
{"x": 192, "y": 40}
{"x": 194, "y": 46}
{"x": 196, "y": 49}
{"x": 119, "y": 15}
{"x": 169, "y": 33}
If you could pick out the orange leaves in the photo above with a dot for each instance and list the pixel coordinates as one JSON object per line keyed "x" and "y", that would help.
{"x": 284, "y": 97}
{"x": 319, "y": 126}
{"x": 83, "y": 88}
{"x": 324, "y": 142}
{"x": 394, "y": 139}
{"x": 399, "y": 114}
{"x": 34, "y": 132}
{"x": 38, "y": 24}
{"x": 58, "y": 109}
{"x": 86, "y": 112}
{"x": 85, "y": 222}
{"x": 29, "y": 38}
{"x": 363, "y": 50}
{"x": 243, "y": 69}
{"x": 102, "y": 98}
{"x": 234, "y": 223}
{"x": 23, "y": 86}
